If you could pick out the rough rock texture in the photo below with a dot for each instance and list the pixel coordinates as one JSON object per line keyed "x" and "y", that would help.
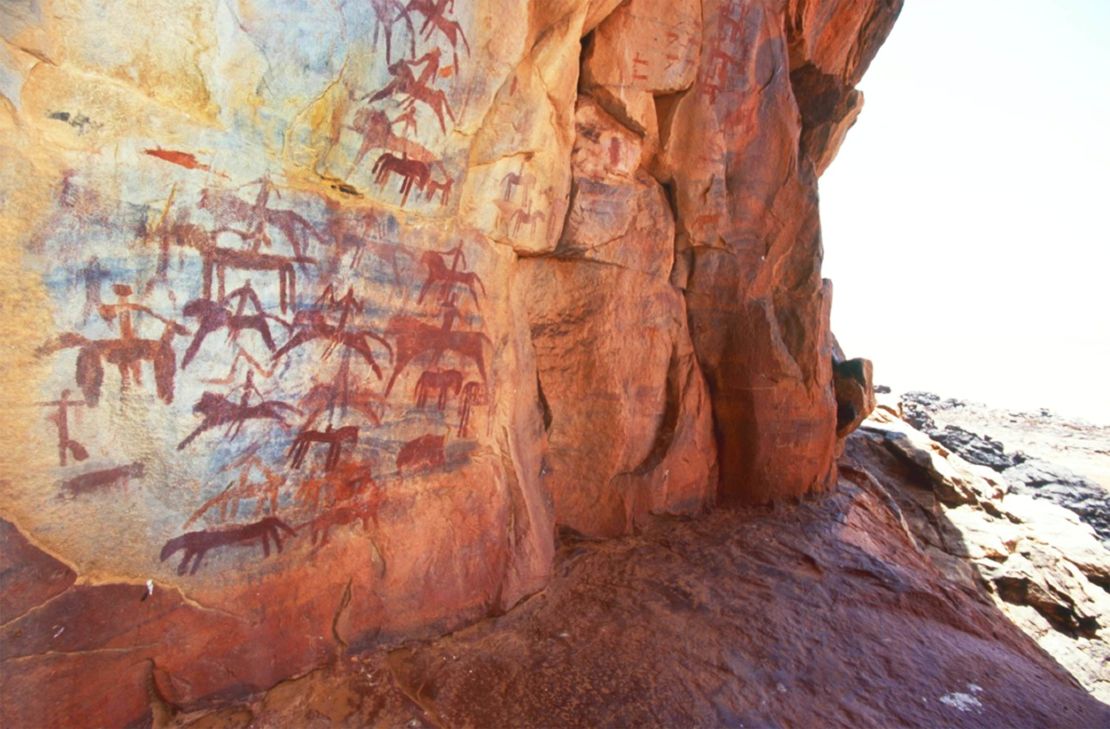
{"x": 320, "y": 319}
{"x": 1049, "y": 450}
{"x": 855, "y": 394}
{"x": 1045, "y": 569}
{"x": 823, "y": 614}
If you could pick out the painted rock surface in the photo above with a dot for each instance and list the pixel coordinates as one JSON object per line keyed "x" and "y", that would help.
{"x": 319, "y": 318}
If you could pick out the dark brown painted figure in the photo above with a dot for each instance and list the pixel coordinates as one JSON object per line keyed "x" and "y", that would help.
{"x": 60, "y": 418}
{"x": 103, "y": 479}
{"x": 127, "y": 352}
{"x": 218, "y": 410}
{"x": 197, "y": 544}
{"x": 333, "y": 438}
{"x": 427, "y": 450}
{"x": 446, "y": 382}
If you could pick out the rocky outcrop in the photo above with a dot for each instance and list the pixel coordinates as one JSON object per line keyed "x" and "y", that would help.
{"x": 1045, "y": 569}
{"x": 822, "y": 614}
{"x": 1048, "y": 438}
{"x": 321, "y": 319}
{"x": 855, "y": 394}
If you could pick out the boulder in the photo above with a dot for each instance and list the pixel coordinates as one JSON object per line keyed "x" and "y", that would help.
{"x": 855, "y": 396}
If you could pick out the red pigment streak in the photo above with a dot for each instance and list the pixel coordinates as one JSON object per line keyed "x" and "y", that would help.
{"x": 185, "y": 159}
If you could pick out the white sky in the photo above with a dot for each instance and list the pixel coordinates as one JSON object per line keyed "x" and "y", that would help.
{"x": 967, "y": 217}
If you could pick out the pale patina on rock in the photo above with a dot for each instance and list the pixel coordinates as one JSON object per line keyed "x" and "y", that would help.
{"x": 321, "y": 318}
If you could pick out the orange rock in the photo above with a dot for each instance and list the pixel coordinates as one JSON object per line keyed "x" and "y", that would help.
{"x": 436, "y": 279}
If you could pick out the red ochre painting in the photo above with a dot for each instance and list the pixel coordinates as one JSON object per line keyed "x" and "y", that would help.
{"x": 320, "y": 315}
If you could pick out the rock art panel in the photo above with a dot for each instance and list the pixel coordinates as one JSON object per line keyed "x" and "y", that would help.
{"x": 320, "y": 317}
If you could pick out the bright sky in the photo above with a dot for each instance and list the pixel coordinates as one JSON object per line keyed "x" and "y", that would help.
{"x": 967, "y": 217}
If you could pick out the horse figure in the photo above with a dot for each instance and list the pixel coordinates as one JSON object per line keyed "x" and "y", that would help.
{"x": 434, "y": 99}
{"x": 414, "y": 338}
{"x": 219, "y": 410}
{"x": 296, "y": 229}
{"x": 225, "y": 206}
{"x": 127, "y": 353}
{"x": 197, "y": 544}
{"x": 526, "y": 217}
{"x": 439, "y": 273}
{"x": 388, "y": 13}
{"x": 442, "y": 187}
{"x": 213, "y": 316}
{"x": 413, "y": 173}
{"x": 365, "y": 512}
{"x": 376, "y": 131}
{"x": 513, "y": 180}
{"x": 334, "y": 438}
{"x": 360, "y": 235}
{"x": 450, "y": 29}
{"x": 329, "y": 395}
{"x": 312, "y": 324}
{"x": 446, "y": 381}
{"x": 344, "y": 484}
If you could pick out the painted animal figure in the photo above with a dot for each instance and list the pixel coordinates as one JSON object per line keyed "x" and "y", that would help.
{"x": 434, "y": 99}
{"x": 330, "y": 396}
{"x": 218, "y": 410}
{"x": 413, "y": 173}
{"x": 442, "y": 187}
{"x": 127, "y": 353}
{"x": 221, "y": 259}
{"x": 264, "y": 493}
{"x": 427, "y": 449}
{"x": 103, "y": 479}
{"x": 447, "y": 382}
{"x": 440, "y": 274}
{"x": 313, "y": 324}
{"x": 388, "y": 13}
{"x": 365, "y": 512}
{"x": 452, "y": 31}
{"x": 361, "y": 235}
{"x": 197, "y": 544}
{"x": 514, "y": 179}
{"x": 213, "y": 316}
{"x": 505, "y": 212}
{"x": 333, "y": 438}
{"x": 227, "y": 208}
{"x": 473, "y": 393}
{"x": 343, "y": 485}
{"x": 430, "y": 8}
{"x": 376, "y": 131}
{"x": 527, "y": 217}
{"x": 413, "y": 338}
{"x": 296, "y": 229}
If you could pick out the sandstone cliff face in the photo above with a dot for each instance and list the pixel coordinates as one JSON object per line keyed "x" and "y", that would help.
{"x": 319, "y": 318}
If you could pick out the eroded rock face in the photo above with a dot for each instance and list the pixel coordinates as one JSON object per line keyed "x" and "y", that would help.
{"x": 707, "y": 623}
{"x": 1045, "y": 569}
{"x": 319, "y": 319}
